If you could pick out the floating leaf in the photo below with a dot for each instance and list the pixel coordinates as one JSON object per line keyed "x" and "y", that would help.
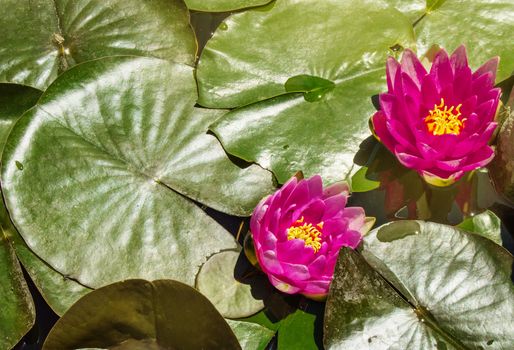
{"x": 299, "y": 329}
{"x": 360, "y": 183}
{"x": 17, "y": 312}
{"x": 486, "y": 224}
{"x": 263, "y": 52}
{"x": 455, "y": 287}
{"x": 223, "y": 5}
{"x": 233, "y": 299}
{"x": 251, "y": 336}
{"x": 481, "y": 26}
{"x": 138, "y": 314}
{"x": 104, "y": 154}
{"x": 42, "y": 38}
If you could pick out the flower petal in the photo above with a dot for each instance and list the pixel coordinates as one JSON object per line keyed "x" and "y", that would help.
{"x": 490, "y": 66}
{"x": 412, "y": 66}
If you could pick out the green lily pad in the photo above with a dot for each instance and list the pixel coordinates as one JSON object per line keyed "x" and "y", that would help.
{"x": 299, "y": 329}
{"x": 59, "y": 292}
{"x": 251, "y": 336}
{"x": 42, "y": 38}
{"x": 17, "y": 309}
{"x": 481, "y": 26}
{"x": 502, "y": 166}
{"x": 223, "y": 5}
{"x": 486, "y": 224}
{"x": 262, "y": 55}
{"x": 455, "y": 287}
{"x": 138, "y": 314}
{"x": 92, "y": 176}
{"x": 232, "y": 298}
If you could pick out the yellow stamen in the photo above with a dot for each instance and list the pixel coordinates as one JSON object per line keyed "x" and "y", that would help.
{"x": 442, "y": 121}
{"x": 311, "y": 235}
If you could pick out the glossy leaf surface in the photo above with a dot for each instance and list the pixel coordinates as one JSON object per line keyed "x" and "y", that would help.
{"x": 138, "y": 314}
{"x": 223, "y": 5}
{"x": 91, "y": 175}
{"x": 217, "y": 281}
{"x": 483, "y": 26}
{"x": 46, "y": 37}
{"x": 17, "y": 312}
{"x": 486, "y": 224}
{"x": 455, "y": 290}
{"x": 251, "y": 336}
{"x": 255, "y": 58}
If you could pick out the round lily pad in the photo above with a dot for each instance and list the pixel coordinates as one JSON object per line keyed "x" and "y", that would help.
{"x": 311, "y": 68}
{"x": 95, "y": 176}
{"x": 43, "y": 38}
{"x": 232, "y": 298}
{"x": 138, "y": 314}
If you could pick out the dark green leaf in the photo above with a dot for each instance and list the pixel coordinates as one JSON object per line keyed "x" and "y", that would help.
{"x": 17, "y": 312}
{"x": 41, "y": 38}
{"x": 456, "y": 287}
{"x": 486, "y": 224}
{"x": 105, "y": 155}
{"x": 137, "y": 314}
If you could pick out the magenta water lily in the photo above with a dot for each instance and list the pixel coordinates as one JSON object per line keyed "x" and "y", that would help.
{"x": 299, "y": 230}
{"x": 439, "y": 123}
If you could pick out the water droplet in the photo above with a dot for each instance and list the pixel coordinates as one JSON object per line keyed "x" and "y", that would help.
{"x": 19, "y": 165}
{"x": 223, "y": 26}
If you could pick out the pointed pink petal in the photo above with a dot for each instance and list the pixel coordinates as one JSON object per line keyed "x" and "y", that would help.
{"x": 479, "y": 158}
{"x": 459, "y": 59}
{"x": 313, "y": 213}
{"x": 340, "y": 187}
{"x": 413, "y": 67}
{"x": 381, "y": 131}
{"x": 355, "y": 216}
{"x": 294, "y": 251}
{"x": 490, "y": 66}
{"x": 315, "y": 186}
{"x": 430, "y": 93}
{"x": 441, "y": 69}
{"x": 283, "y": 286}
{"x": 391, "y": 67}
{"x": 317, "y": 267}
{"x": 295, "y": 272}
{"x": 269, "y": 262}
{"x": 334, "y": 205}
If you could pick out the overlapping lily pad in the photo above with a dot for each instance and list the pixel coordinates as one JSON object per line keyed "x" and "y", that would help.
{"x": 455, "y": 287}
{"x": 297, "y": 47}
{"x": 485, "y": 27}
{"x": 223, "y": 5}
{"x": 138, "y": 314}
{"x": 17, "y": 310}
{"x": 42, "y": 38}
{"x": 502, "y": 167}
{"x": 94, "y": 177}
{"x": 251, "y": 336}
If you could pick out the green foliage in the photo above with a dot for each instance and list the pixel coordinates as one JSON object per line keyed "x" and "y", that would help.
{"x": 138, "y": 314}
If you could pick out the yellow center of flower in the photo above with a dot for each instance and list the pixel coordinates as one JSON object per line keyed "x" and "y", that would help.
{"x": 443, "y": 120}
{"x": 311, "y": 235}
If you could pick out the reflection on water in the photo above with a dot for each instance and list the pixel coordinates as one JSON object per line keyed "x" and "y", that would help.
{"x": 402, "y": 194}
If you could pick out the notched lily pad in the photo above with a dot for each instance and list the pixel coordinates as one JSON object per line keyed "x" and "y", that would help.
{"x": 218, "y": 281}
{"x": 45, "y": 38}
{"x": 108, "y": 155}
{"x": 282, "y": 130}
{"x": 486, "y": 224}
{"x": 138, "y": 314}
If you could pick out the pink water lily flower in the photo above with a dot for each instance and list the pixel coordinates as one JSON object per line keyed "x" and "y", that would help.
{"x": 299, "y": 230}
{"x": 438, "y": 123}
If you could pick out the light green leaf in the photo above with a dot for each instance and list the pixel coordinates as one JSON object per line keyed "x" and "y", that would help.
{"x": 486, "y": 224}
{"x": 223, "y": 5}
{"x": 300, "y": 330}
{"x": 232, "y": 298}
{"x": 360, "y": 183}
{"x": 481, "y": 25}
{"x": 455, "y": 287}
{"x": 263, "y": 52}
{"x": 137, "y": 314}
{"x": 251, "y": 336}
{"x": 42, "y": 38}
{"x": 92, "y": 176}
